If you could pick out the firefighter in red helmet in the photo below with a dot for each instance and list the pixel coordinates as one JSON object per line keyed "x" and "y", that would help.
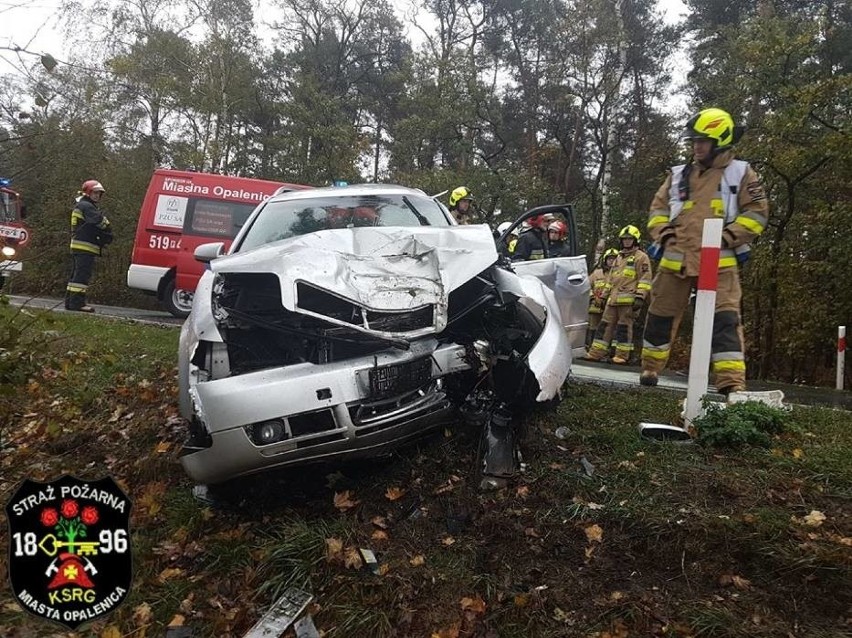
{"x": 90, "y": 232}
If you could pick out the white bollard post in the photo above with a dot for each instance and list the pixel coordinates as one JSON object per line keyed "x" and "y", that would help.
{"x": 705, "y": 309}
{"x": 841, "y": 355}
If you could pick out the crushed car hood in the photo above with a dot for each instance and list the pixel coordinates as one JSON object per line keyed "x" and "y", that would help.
{"x": 384, "y": 269}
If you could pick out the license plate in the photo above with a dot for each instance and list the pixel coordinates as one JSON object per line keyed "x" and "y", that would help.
{"x": 398, "y": 378}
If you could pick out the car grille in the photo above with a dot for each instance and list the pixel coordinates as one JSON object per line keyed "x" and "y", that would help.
{"x": 323, "y": 303}
{"x": 372, "y": 417}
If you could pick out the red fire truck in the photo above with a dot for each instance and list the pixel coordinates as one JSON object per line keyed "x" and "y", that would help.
{"x": 181, "y": 211}
{"x": 14, "y": 234}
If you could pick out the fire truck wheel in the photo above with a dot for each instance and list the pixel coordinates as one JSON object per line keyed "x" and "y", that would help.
{"x": 178, "y": 302}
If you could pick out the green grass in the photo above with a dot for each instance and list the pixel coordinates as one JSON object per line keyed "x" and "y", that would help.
{"x": 674, "y": 519}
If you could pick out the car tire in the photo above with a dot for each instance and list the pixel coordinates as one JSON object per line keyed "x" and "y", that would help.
{"x": 178, "y": 302}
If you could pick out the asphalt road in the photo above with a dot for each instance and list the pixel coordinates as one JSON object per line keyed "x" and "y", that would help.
{"x": 581, "y": 371}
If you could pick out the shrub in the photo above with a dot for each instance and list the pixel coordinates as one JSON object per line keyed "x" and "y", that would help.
{"x": 740, "y": 424}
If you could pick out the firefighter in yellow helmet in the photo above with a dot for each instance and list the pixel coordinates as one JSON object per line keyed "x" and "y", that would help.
{"x": 713, "y": 184}
{"x": 599, "y": 291}
{"x": 630, "y": 282}
{"x": 462, "y": 206}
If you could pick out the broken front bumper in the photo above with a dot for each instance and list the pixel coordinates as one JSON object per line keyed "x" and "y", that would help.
{"x": 333, "y": 410}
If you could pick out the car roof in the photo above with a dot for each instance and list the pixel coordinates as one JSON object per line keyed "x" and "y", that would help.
{"x": 355, "y": 190}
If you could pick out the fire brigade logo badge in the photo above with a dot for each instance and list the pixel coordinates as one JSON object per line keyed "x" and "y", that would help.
{"x": 69, "y": 548}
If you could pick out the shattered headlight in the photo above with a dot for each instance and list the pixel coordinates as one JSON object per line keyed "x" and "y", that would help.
{"x": 219, "y": 311}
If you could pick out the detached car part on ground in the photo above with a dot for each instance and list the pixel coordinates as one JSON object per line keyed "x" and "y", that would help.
{"x": 346, "y": 321}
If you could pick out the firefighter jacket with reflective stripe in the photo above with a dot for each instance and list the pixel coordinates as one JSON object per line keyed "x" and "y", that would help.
{"x": 532, "y": 244}
{"x": 629, "y": 278}
{"x": 729, "y": 189}
{"x": 599, "y": 290}
{"x": 88, "y": 224}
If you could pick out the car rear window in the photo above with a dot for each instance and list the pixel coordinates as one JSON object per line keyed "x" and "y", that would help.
{"x": 284, "y": 219}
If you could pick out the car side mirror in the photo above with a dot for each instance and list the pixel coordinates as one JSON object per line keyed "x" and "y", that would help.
{"x": 208, "y": 252}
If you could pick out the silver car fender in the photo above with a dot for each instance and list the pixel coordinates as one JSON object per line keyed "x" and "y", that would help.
{"x": 550, "y": 358}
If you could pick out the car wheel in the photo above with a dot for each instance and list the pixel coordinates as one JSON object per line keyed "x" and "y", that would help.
{"x": 178, "y": 302}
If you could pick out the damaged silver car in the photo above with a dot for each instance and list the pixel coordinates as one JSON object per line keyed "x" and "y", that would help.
{"x": 346, "y": 321}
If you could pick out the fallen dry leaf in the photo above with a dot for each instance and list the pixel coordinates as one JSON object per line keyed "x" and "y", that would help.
{"x": 798, "y": 453}
{"x": 740, "y": 582}
{"x": 842, "y": 540}
{"x": 523, "y": 491}
{"x": 448, "y": 540}
{"x": 417, "y": 561}
{"x": 379, "y": 521}
{"x": 345, "y": 500}
{"x": 531, "y": 532}
{"x": 169, "y": 572}
{"x": 142, "y": 615}
{"x": 815, "y": 518}
{"x": 352, "y": 558}
{"x": 111, "y": 631}
{"x": 476, "y": 605}
{"x": 177, "y": 621}
{"x": 451, "y": 632}
{"x": 394, "y": 493}
{"x": 594, "y": 533}
{"x": 379, "y": 535}
{"x": 594, "y": 506}
{"x": 333, "y": 549}
{"x": 443, "y": 489}
{"x": 163, "y": 447}
{"x": 521, "y": 600}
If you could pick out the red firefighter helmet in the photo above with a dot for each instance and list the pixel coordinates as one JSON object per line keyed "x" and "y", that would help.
{"x": 538, "y": 221}
{"x": 560, "y": 227}
{"x": 92, "y": 186}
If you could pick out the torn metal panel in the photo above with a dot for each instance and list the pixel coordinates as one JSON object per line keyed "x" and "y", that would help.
{"x": 281, "y": 616}
{"x": 383, "y": 269}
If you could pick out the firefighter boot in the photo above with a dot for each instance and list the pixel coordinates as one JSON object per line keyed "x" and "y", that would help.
{"x": 77, "y": 302}
{"x": 648, "y": 378}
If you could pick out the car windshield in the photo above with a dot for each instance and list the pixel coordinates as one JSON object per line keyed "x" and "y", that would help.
{"x": 284, "y": 219}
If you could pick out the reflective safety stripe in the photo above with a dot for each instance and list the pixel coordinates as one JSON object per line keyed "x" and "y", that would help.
{"x": 622, "y": 300}
{"x": 85, "y": 246}
{"x": 752, "y": 221}
{"x": 643, "y": 285}
{"x": 76, "y": 216}
{"x": 727, "y": 258}
{"x": 624, "y": 347}
{"x": 75, "y": 287}
{"x": 728, "y": 366}
{"x": 629, "y": 272}
{"x": 688, "y": 204}
{"x": 727, "y": 356}
{"x": 672, "y": 261}
{"x": 658, "y": 219}
{"x": 595, "y": 310}
{"x": 660, "y": 353}
{"x": 717, "y": 207}
{"x": 599, "y": 345}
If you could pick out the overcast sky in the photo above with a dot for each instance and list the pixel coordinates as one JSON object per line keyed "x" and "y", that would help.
{"x": 34, "y": 25}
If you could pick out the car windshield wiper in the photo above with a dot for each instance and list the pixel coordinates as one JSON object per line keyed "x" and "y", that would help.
{"x": 401, "y": 344}
{"x": 423, "y": 221}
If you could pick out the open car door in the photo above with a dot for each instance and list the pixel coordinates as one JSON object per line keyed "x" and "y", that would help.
{"x": 567, "y": 277}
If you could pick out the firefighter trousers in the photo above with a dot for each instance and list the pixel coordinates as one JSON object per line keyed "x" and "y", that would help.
{"x": 594, "y": 322}
{"x": 81, "y": 274}
{"x": 669, "y": 298}
{"x": 617, "y": 321}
